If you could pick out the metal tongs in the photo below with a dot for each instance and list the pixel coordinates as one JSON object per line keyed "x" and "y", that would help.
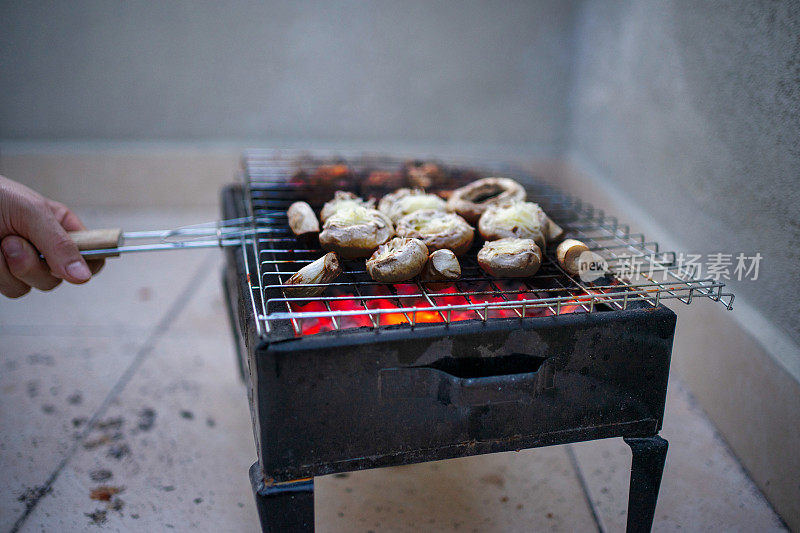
{"x": 111, "y": 242}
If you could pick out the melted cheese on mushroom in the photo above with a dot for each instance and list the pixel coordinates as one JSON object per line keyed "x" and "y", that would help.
{"x": 355, "y": 231}
{"x": 403, "y": 202}
{"x": 435, "y": 225}
{"x": 350, "y": 214}
{"x": 417, "y": 202}
{"x": 342, "y": 200}
{"x": 510, "y": 257}
{"x": 438, "y": 229}
{"x": 508, "y": 246}
{"x": 524, "y": 215}
{"x": 524, "y": 220}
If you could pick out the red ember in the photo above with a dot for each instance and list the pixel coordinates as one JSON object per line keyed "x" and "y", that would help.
{"x": 409, "y": 296}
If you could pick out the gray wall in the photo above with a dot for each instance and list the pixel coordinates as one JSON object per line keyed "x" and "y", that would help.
{"x": 694, "y": 109}
{"x": 691, "y": 107}
{"x": 493, "y": 72}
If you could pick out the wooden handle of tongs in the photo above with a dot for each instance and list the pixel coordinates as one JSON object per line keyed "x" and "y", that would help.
{"x": 98, "y": 239}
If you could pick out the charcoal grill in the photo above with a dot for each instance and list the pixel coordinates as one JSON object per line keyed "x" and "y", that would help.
{"x": 371, "y": 375}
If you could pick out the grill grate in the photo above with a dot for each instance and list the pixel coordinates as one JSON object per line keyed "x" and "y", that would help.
{"x": 355, "y": 300}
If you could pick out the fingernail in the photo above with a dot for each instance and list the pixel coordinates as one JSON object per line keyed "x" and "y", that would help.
{"x": 79, "y": 270}
{"x": 12, "y": 247}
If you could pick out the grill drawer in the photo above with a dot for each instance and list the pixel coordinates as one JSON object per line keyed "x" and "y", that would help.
{"x": 352, "y": 401}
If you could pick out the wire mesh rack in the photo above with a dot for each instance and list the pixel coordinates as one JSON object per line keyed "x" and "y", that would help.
{"x": 640, "y": 274}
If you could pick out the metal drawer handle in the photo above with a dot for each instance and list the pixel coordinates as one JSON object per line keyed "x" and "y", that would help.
{"x": 462, "y": 388}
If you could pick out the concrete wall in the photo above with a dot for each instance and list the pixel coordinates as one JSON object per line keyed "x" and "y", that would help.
{"x": 449, "y": 71}
{"x": 693, "y": 108}
{"x": 689, "y": 113}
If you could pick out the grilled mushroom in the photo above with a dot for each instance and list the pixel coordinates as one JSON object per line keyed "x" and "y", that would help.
{"x": 425, "y": 175}
{"x": 302, "y": 219}
{"x": 472, "y": 200}
{"x": 397, "y": 260}
{"x": 553, "y": 231}
{"x": 442, "y": 265}
{"x": 402, "y": 202}
{"x": 524, "y": 220}
{"x": 343, "y": 199}
{"x": 323, "y": 270}
{"x": 383, "y": 179}
{"x": 510, "y": 258}
{"x": 355, "y": 231}
{"x": 569, "y": 254}
{"x": 331, "y": 176}
{"x": 438, "y": 230}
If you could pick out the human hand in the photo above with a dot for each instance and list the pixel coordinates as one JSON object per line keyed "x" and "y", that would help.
{"x": 31, "y": 224}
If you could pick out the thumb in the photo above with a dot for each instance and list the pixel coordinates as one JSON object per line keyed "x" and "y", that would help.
{"x": 60, "y": 252}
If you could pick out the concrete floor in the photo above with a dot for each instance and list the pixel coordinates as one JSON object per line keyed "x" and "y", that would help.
{"x": 129, "y": 384}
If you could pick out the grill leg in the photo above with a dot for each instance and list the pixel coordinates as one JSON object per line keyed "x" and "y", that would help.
{"x": 227, "y": 296}
{"x": 284, "y": 508}
{"x": 649, "y": 455}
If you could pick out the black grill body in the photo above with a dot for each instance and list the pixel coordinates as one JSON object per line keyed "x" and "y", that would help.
{"x": 360, "y": 398}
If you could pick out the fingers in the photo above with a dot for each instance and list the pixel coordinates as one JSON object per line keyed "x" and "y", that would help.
{"x": 9, "y": 285}
{"x": 70, "y": 222}
{"x": 38, "y": 225}
{"x": 96, "y": 265}
{"x": 24, "y": 264}
{"x": 45, "y": 232}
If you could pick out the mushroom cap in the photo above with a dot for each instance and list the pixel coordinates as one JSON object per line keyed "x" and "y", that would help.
{"x": 441, "y": 265}
{"x": 402, "y": 202}
{"x": 397, "y": 260}
{"x": 438, "y": 230}
{"x": 523, "y": 220}
{"x": 323, "y": 270}
{"x": 302, "y": 219}
{"x": 569, "y": 253}
{"x": 355, "y": 231}
{"x": 472, "y": 200}
{"x": 510, "y": 258}
{"x": 553, "y": 231}
{"x": 343, "y": 199}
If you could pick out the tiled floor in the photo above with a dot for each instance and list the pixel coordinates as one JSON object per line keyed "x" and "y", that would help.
{"x": 130, "y": 384}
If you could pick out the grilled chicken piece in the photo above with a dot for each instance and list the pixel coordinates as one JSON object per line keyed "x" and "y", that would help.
{"x": 323, "y": 270}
